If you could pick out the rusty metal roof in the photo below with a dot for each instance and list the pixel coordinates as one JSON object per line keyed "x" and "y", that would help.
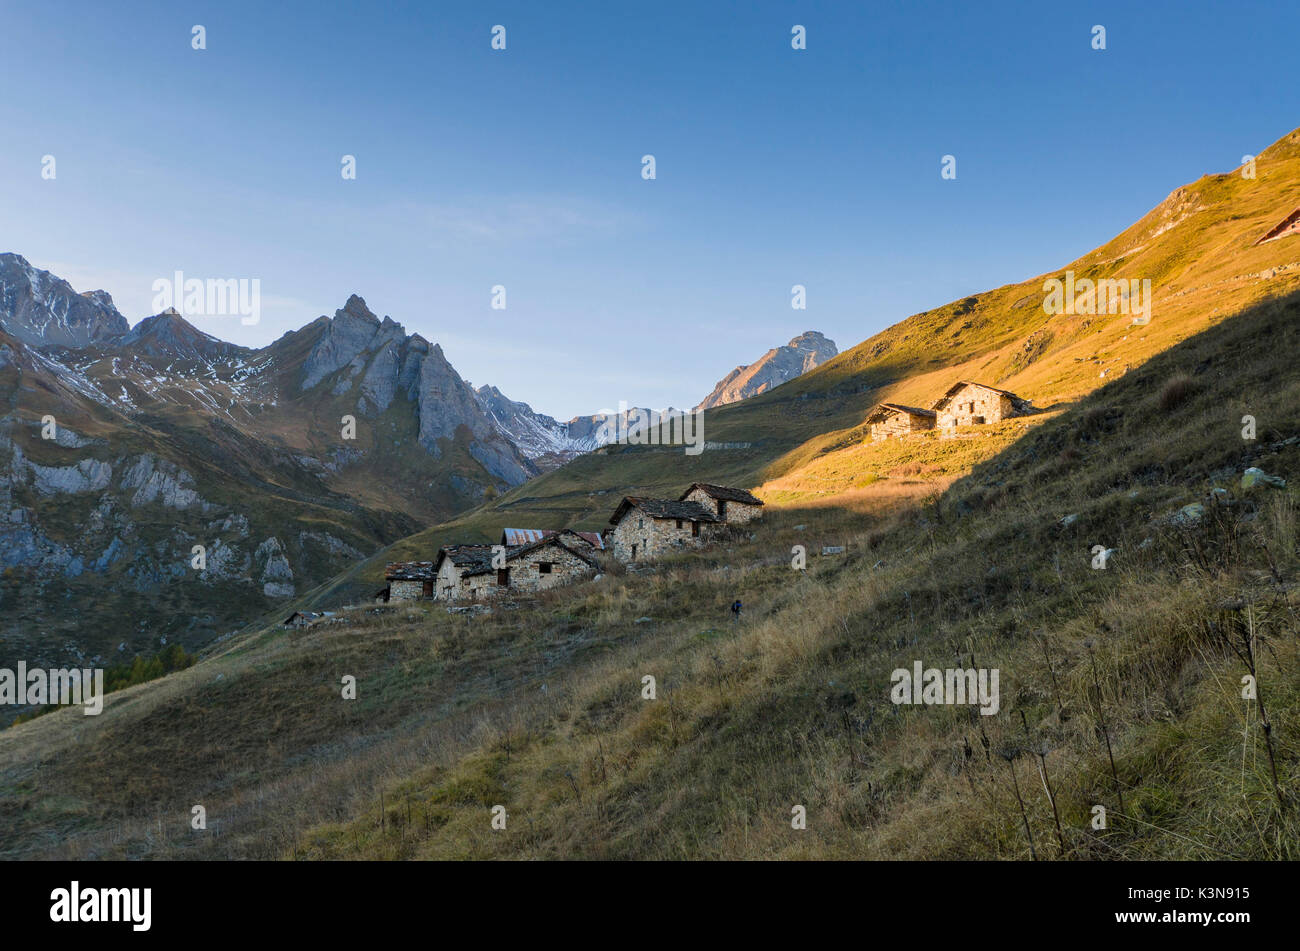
{"x": 529, "y": 536}
{"x": 524, "y": 536}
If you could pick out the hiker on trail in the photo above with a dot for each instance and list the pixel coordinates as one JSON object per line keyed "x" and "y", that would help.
{"x": 735, "y": 610}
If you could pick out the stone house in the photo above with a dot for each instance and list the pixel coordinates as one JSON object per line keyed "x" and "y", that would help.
{"x": 408, "y": 581}
{"x": 468, "y": 572}
{"x": 895, "y": 419}
{"x": 647, "y": 528}
{"x": 733, "y": 506}
{"x": 975, "y": 404}
{"x": 455, "y": 564}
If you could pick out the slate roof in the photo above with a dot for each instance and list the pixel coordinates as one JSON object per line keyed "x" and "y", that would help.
{"x": 883, "y": 410}
{"x": 724, "y": 492}
{"x": 663, "y": 508}
{"x": 410, "y": 571}
{"x": 466, "y": 556}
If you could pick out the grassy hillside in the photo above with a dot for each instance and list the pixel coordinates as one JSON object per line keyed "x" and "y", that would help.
{"x": 538, "y": 706}
{"x": 974, "y": 551}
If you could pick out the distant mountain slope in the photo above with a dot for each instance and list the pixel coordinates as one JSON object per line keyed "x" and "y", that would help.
{"x": 538, "y": 436}
{"x": 123, "y": 448}
{"x": 40, "y": 309}
{"x": 779, "y": 365}
{"x": 548, "y": 443}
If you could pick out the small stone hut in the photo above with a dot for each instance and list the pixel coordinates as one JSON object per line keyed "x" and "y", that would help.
{"x": 975, "y": 404}
{"x": 895, "y": 419}
{"x": 732, "y": 506}
{"x": 409, "y": 580}
{"x": 646, "y": 528}
{"x": 479, "y": 572}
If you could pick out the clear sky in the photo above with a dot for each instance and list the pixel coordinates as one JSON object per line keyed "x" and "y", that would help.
{"x": 522, "y": 167}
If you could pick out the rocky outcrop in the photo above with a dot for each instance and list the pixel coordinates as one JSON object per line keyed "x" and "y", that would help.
{"x": 777, "y": 366}
{"x": 157, "y": 480}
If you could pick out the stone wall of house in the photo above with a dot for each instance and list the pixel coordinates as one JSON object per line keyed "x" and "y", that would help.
{"x": 479, "y": 587}
{"x": 736, "y": 512}
{"x": 405, "y": 590}
{"x": 900, "y": 424}
{"x": 638, "y": 537}
{"x": 448, "y": 581}
{"x": 566, "y": 567}
{"x": 973, "y": 405}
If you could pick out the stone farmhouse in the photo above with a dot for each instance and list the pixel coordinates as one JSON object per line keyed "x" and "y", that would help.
{"x": 895, "y": 419}
{"x": 480, "y": 572}
{"x": 649, "y": 528}
{"x": 975, "y": 404}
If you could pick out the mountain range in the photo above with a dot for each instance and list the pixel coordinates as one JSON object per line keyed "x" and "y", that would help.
{"x": 122, "y": 448}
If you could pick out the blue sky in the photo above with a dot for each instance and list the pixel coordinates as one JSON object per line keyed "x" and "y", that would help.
{"x": 522, "y": 167}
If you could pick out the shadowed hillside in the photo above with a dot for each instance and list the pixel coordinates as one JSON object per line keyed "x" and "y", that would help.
{"x": 538, "y": 706}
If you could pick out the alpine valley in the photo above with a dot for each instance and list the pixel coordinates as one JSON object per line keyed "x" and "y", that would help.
{"x": 122, "y": 448}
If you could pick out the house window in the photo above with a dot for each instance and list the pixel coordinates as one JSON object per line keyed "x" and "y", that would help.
{"x": 503, "y": 577}
{"x": 695, "y": 529}
{"x": 634, "y": 553}
{"x": 544, "y": 567}
{"x": 428, "y": 588}
{"x": 722, "y": 508}
{"x": 679, "y": 523}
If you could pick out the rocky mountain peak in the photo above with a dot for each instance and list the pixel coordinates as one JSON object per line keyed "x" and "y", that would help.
{"x": 356, "y": 307}
{"x": 42, "y": 310}
{"x": 809, "y": 349}
{"x": 168, "y": 334}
